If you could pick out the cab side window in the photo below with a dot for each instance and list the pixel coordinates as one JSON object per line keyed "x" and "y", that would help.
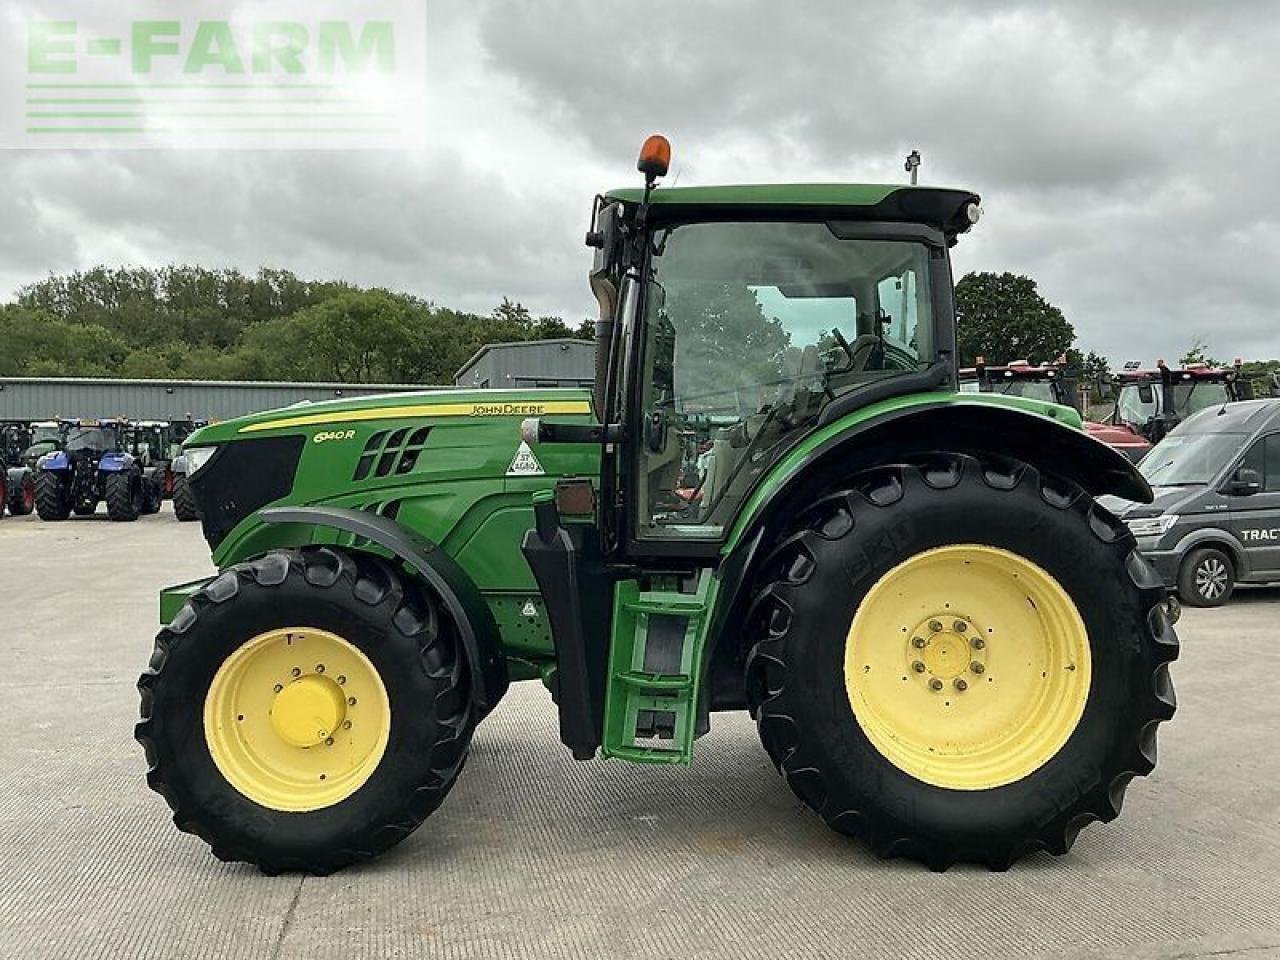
{"x": 1264, "y": 457}
{"x": 1271, "y": 463}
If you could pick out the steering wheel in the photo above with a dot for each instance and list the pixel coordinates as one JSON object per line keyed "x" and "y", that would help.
{"x": 862, "y": 345}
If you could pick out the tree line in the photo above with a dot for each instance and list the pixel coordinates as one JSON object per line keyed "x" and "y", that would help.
{"x": 184, "y": 322}
{"x": 187, "y": 322}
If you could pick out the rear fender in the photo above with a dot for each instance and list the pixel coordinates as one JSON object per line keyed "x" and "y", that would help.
{"x": 58, "y": 460}
{"x": 438, "y": 571}
{"x": 884, "y": 434}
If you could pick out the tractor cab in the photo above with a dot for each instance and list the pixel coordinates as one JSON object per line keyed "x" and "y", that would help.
{"x": 45, "y": 436}
{"x": 735, "y": 322}
{"x": 1153, "y": 402}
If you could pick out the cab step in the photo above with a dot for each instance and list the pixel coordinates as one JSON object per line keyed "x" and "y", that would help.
{"x": 651, "y": 697}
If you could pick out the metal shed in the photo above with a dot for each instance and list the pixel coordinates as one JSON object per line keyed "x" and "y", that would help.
{"x": 31, "y": 398}
{"x": 530, "y": 363}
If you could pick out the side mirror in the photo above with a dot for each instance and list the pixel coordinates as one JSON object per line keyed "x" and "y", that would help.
{"x": 1244, "y": 389}
{"x": 1244, "y": 482}
{"x": 1146, "y": 394}
{"x": 1106, "y": 389}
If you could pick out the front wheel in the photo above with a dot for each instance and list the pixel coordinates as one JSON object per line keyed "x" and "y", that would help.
{"x": 123, "y": 493}
{"x": 958, "y": 660}
{"x": 53, "y": 496}
{"x": 306, "y": 710}
{"x": 184, "y": 504}
{"x": 1207, "y": 578}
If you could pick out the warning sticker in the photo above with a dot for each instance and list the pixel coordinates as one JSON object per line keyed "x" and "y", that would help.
{"x": 529, "y": 610}
{"x": 524, "y": 463}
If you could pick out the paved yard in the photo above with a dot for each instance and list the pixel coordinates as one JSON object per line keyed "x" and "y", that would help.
{"x": 534, "y": 855}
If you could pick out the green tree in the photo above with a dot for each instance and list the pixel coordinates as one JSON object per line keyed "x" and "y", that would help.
{"x": 1198, "y": 352}
{"x": 1001, "y": 316}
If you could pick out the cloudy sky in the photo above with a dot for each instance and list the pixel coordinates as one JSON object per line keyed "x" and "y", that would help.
{"x": 1126, "y": 152}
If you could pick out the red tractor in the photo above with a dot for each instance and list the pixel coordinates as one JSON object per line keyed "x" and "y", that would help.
{"x": 1152, "y": 402}
{"x": 1057, "y": 384}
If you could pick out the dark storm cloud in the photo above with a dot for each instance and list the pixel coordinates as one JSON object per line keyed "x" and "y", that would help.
{"x": 1124, "y": 153}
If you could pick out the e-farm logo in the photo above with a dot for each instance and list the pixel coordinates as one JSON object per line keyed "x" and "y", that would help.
{"x": 213, "y": 73}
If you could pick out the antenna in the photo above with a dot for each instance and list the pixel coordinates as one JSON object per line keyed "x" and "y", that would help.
{"x": 912, "y": 165}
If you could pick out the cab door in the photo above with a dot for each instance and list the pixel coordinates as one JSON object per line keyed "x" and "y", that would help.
{"x": 1255, "y": 517}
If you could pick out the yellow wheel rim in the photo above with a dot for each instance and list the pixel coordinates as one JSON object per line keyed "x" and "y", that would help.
{"x": 967, "y": 667}
{"x": 297, "y": 719}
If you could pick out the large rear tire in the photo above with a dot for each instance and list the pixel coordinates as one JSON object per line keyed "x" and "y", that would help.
{"x": 236, "y": 680}
{"x": 184, "y": 504}
{"x": 124, "y": 496}
{"x": 960, "y": 661}
{"x": 53, "y": 500}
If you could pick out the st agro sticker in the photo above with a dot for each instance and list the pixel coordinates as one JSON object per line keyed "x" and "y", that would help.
{"x": 524, "y": 463}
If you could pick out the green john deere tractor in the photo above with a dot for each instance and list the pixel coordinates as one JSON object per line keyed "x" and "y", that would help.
{"x": 775, "y": 500}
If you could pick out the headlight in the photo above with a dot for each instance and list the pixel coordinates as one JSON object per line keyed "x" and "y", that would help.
{"x": 1152, "y": 526}
{"x": 197, "y": 457}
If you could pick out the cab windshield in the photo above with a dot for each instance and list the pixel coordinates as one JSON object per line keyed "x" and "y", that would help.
{"x": 1189, "y": 459}
{"x": 1188, "y": 398}
{"x": 751, "y": 329}
{"x": 91, "y": 438}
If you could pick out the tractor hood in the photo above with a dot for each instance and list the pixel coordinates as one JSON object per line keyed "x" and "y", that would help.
{"x": 429, "y": 404}
{"x": 423, "y": 456}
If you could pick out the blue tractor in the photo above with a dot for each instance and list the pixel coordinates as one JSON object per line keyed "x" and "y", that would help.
{"x": 93, "y": 466}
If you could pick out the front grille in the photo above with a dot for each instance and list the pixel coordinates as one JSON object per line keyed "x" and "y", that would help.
{"x": 243, "y": 476}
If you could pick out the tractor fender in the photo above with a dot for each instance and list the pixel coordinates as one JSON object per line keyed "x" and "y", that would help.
{"x": 884, "y": 433}
{"x": 57, "y": 460}
{"x": 115, "y": 462}
{"x": 440, "y": 572}
{"x": 958, "y": 423}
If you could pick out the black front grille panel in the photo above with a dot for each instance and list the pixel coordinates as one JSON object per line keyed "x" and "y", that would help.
{"x": 242, "y": 477}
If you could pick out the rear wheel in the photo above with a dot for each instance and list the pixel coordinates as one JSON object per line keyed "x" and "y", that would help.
{"x": 124, "y": 496}
{"x": 1207, "y": 578}
{"x": 184, "y": 504}
{"x": 960, "y": 661}
{"x": 306, "y": 711}
{"x": 53, "y": 499}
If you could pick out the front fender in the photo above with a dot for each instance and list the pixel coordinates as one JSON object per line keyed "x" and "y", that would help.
{"x": 115, "y": 462}
{"x": 477, "y": 629}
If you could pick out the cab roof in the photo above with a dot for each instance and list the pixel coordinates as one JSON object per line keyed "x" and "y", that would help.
{"x": 940, "y": 206}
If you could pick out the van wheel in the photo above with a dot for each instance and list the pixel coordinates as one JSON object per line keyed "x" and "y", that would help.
{"x": 1207, "y": 578}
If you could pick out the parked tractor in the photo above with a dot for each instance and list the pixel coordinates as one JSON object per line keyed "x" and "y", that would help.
{"x": 776, "y": 500}
{"x": 94, "y": 465}
{"x": 17, "y": 483}
{"x": 1153, "y": 402}
{"x": 1054, "y": 383}
{"x": 151, "y": 442}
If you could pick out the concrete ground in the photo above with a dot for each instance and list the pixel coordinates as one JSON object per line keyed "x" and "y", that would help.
{"x": 534, "y": 855}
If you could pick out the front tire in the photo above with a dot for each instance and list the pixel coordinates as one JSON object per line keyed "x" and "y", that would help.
{"x": 123, "y": 493}
{"x": 960, "y": 661}
{"x": 222, "y": 694}
{"x": 184, "y": 504}
{"x": 1207, "y": 578}
{"x": 53, "y": 501}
